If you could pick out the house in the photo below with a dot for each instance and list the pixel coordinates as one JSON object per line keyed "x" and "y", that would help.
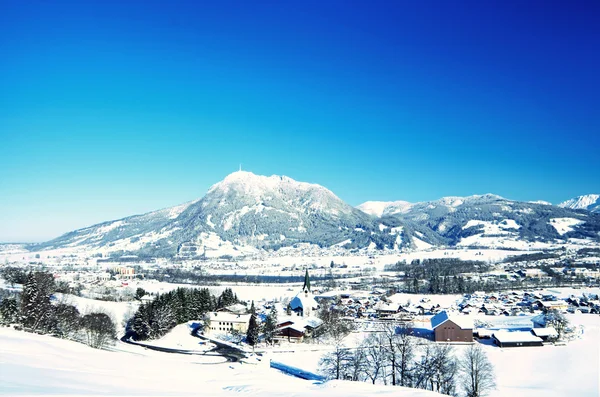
{"x": 545, "y": 333}
{"x": 561, "y": 306}
{"x": 228, "y": 322}
{"x": 294, "y": 329}
{"x": 516, "y": 339}
{"x": 452, "y": 328}
{"x": 383, "y": 308}
{"x": 292, "y": 332}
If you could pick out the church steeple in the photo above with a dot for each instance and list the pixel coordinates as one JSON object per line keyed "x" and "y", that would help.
{"x": 306, "y": 287}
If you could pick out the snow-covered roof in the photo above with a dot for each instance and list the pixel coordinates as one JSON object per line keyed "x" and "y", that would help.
{"x": 465, "y": 322}
{"x": 229, "y": 317}
{"x": 516, "y": 336}
{"x": 549, "y": 331}
{"x": 295, "y": 327}
{"x": 302, "y": 301}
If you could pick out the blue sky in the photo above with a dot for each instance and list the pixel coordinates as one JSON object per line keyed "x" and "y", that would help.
{"x": 112, "y": 108}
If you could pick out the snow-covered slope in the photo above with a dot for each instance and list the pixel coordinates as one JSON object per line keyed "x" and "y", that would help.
{"x": 42, "y": 365}
{"x": 381, "y": 208}
{"x": 490, "y": 221}
{"x": 237, "y": 216}
{"x": 246, "y": 213}
{"x": 590, "y": 202}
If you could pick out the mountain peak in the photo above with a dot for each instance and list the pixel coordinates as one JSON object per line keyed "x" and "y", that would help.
{"x": 590, "y": 202}
{"x": 249, "y": 182}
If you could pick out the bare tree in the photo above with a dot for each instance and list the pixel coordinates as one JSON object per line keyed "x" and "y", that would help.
{"x": 554, "y": 318}
{"x": 405, "y": 346}
{"x": 478, "y": 372}
{"x": 389, "y": 344}
{"x": 356, "y": 364}
{"x": 99, "y": 329}
{"x": 335, "y": 364}
{"x": 375, "y": 356}
{"x": 333, "y": 325}
{"x": 424, "y": 368}
{"x": 445, "y": 368}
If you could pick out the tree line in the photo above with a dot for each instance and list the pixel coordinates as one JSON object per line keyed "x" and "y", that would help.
{"x": 35, "y": 310}
{"x": 154, "y": 319}
{"x": 392, "y": 356}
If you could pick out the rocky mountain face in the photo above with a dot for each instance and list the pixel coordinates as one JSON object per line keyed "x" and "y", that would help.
{"x": 247, "y": 213}
{"x": 588, "y": 202}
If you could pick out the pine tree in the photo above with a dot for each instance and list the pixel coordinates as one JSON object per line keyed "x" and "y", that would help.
{"x": 270, "y": 325}
{"x": 227, "y": 298}
{"x": 9, "y": 310}
{"x": 28, "y": 301}
{"x": 252, "y": 334}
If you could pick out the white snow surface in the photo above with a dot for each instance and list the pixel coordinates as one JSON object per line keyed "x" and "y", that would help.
{"x": 420, "y": 244}
{"x": 542, "y": 202}
{"x": 42, "y": 365}
{"x": 564, "y": 225}
{"x": 378, "y": 208}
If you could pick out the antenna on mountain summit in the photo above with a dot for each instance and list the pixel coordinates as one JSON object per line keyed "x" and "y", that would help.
{"x": 240, "y": 166}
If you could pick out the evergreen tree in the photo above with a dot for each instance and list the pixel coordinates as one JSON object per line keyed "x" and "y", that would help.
{"x": 252, "y": 334}
{"x": 270, "y": 325}
{"x": 9, "y": 310}
{"x": 227, "y": 298}
{"x": 141, "y": 323}
{"x": 36, "y": 309}
{"x": 28, "y": 301}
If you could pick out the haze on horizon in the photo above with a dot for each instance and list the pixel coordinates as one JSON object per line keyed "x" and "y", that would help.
{"x": 115, "y": 109}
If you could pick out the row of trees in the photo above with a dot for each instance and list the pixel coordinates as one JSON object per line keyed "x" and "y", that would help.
{"x": 154, "y": 319}
{"x": 440, "y": 275}
{"x": 35, "y": 310}
{"x": 392, "y": 356}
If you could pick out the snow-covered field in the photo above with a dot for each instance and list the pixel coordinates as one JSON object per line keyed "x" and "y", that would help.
{"x": 547, "y": 371}
{"x": 551, "y": 371}
{"x": 119, "y": 311}
{"x": 42, "y": 365}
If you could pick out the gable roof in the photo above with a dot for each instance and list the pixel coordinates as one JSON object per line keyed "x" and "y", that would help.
{"x": 549, "y": 331}
{"x": 515, "y": 336}
{"x": 229, "y": 317}
{"x": 464, "y": 322}
{"x": 303, "y": 302}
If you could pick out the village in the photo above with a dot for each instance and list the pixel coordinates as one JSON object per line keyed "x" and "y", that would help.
{"x": 313, "y": 317}
{"x": 510, "y": 319}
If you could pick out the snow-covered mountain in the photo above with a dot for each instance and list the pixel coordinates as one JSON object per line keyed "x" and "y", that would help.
{"x": 489, "y": 221}
{"x": 247, "y": 213}
{"x": 239, "y": 215}
{"x": 589, "y": 202}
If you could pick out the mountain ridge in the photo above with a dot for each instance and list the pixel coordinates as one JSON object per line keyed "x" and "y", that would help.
{"x": 245, "y": 214}
{"x": 588, "y": 202}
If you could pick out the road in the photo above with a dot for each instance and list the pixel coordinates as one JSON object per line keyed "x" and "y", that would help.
{"x": 222, "y": 350}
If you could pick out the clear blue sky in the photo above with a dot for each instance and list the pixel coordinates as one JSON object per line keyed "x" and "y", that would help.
{"x": 112, "y": 108}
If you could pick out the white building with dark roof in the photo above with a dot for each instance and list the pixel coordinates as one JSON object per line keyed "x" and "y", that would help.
{"x": 304, "y": 304}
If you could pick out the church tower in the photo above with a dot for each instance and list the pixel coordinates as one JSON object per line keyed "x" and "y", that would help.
{"x": 304, "y": 303}
{"x": 306, "y": 287}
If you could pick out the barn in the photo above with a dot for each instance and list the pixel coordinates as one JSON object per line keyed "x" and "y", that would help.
{"x": 516, "y": 339}
{"x": 452, "y": 328}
